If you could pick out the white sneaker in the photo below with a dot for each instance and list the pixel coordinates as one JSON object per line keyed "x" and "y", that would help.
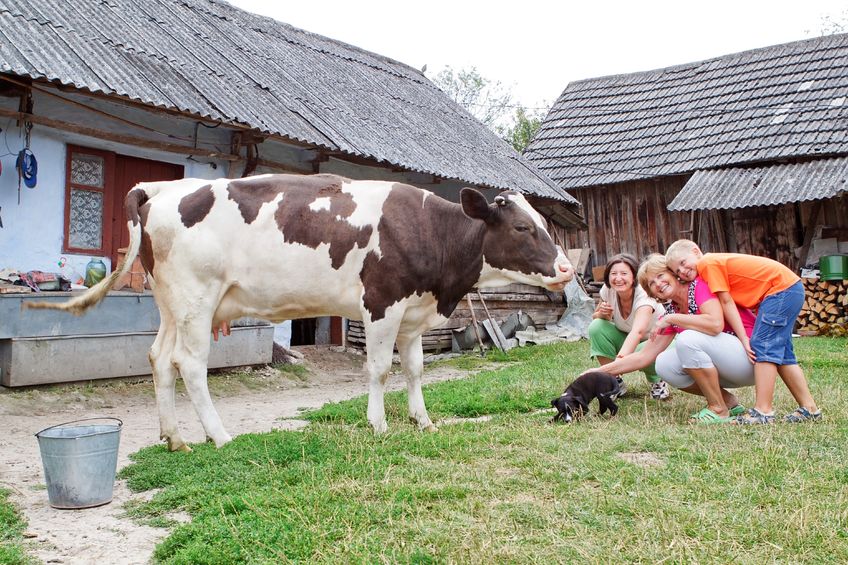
{"x": 622, "y": 388}
{"x": 659, "y": 390}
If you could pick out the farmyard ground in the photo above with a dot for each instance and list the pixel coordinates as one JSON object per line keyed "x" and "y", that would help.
{"x": 265, "y": 399}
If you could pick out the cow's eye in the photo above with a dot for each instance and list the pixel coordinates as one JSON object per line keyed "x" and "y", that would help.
{"x": 522, "y": 228}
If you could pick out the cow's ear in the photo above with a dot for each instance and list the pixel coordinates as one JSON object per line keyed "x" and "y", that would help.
{"x": 474, "y": 204}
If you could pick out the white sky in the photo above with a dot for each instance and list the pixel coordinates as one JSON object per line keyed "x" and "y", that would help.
{"x": 535, "y": 48}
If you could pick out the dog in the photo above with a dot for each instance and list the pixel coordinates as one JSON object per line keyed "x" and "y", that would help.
{"x": 574, "y": 402}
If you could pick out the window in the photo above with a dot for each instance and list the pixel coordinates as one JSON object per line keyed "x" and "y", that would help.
{"x": 88, "y": 199}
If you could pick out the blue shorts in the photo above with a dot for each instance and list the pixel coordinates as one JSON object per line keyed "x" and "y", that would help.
{"x": 772, "y": 337}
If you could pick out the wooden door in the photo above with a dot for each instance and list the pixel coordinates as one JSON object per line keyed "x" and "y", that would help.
{"x": 130, "y": 171}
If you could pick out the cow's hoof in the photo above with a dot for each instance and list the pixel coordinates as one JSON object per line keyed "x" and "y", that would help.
{"x": 178, "y": 445}
{"x": 223, "y": 441}
{"x": 380, "y": 427}
{"x": 431, "y": 428}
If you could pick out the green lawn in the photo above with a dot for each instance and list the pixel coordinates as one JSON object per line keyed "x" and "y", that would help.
{"x": 643, "y": 487}
{"x": 11, "y": 530}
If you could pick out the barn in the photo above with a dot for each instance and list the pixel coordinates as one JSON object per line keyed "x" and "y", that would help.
{"x": 96, "y": 96}
{"x": 746, "y": 152}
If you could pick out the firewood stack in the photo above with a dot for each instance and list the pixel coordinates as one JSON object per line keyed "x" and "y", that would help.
{"x": 825, "y": 310}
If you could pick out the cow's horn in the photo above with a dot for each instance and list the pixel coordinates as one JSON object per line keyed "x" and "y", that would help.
{"x": 500, "y": 200}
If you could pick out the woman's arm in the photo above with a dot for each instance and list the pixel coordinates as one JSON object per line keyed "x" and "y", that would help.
{"x": 639, "y": 359}
{"x": 734, "y": 320}
{"x": 642, "y": 319}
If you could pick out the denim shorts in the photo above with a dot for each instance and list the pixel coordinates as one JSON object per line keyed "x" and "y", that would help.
{"x": 772, "y": 337}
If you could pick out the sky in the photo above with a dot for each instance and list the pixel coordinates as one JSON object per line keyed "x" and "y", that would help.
{"x": 535, "y": 48}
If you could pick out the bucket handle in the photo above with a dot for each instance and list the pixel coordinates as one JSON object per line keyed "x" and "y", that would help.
{"x": 120, "y": 423}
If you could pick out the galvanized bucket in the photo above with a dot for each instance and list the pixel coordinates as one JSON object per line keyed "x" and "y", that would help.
{"x": 80, "y": 459}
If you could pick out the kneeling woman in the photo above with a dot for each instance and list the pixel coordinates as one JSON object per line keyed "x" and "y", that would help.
{"x": 707, "y": 358}
{"x": 624, "y": 319}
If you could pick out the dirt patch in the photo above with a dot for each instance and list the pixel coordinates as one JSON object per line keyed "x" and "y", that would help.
{"x": 248, "y": 401}
{"x": 642, "y": 459}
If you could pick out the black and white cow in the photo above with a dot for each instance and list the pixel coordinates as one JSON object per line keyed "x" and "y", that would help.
{"x": 280, "y": 247}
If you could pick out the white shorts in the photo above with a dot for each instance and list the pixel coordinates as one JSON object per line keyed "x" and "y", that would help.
{"x": 695, "y": 350}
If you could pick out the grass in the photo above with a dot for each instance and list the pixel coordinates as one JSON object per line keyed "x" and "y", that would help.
{"x": 11, "y": 532}
{"x": 643, "y": 487}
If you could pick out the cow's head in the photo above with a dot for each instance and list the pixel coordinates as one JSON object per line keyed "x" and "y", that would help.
{"x": 516, "y": 243}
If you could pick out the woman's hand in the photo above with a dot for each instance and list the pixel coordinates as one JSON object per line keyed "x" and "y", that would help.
{"x": 604, "y": 310}
{"x": 661, "y": 324}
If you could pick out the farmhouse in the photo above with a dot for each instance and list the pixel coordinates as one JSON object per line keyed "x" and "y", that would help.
{"x": 746, "y": 152}
{"x": 96, "y": 96}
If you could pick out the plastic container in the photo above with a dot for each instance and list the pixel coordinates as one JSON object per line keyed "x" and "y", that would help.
{"x": 67, "y": 271}
{"x": 95, "y": 272}
{"x": 80, "y": 459}
{"x": 833, "y": 267}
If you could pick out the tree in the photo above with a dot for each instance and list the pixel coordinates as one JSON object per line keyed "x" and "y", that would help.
{"x": 831, "y": 25}
{"x": 492, "y": 104}
{"x": 523, "y": 128}
{"x": 487, "y": 101}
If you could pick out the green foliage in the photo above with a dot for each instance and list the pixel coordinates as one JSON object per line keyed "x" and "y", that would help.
{"x": 642, "y": 487}
{"x": 523, "y": 128}
{"x": 11, "y": 528}
{"x": 486, "y": 100}
{"x": 492, "y": 104}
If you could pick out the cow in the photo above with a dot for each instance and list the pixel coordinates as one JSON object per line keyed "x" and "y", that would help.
{"x": 280, "y": 247}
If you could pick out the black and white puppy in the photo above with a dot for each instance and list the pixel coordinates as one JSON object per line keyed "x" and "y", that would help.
{"x": 574, "y": 402}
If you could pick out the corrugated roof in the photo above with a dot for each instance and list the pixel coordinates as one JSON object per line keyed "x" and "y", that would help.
{"x": 784, "y": 101}
{"x": 210, "y": 59}
{"x": 763, "y": 186}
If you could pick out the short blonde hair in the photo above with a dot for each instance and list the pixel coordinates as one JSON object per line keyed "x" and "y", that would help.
{"x": 655, "y": 263}
{"x": 680, "y": 248}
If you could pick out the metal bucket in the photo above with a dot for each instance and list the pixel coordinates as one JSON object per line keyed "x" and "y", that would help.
{"x": 80, "y": 462}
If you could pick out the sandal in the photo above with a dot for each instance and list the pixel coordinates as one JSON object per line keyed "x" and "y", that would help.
{"x": 737, "y": 410}
{"x": 707, "y": 417}
{"x": 754, "y": 416}
{"x": 801, "y": 414}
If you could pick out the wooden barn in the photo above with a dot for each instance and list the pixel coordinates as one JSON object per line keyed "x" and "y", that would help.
{"x": 745, "y": 152}
{"x": 96, "y": 96}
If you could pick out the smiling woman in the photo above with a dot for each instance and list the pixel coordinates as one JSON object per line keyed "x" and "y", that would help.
{"x": 624, "y": 318}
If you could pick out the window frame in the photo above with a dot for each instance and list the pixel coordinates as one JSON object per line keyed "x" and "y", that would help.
{"x": 107, "y": 191}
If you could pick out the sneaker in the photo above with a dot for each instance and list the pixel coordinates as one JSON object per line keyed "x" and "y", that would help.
{"x": 659, "y": 390}
{"x": 622, "y": 387}
{"x": 801, "y": 414}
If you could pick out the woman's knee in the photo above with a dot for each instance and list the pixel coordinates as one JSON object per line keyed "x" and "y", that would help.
{"x": 669, "y": 369}
{"x": 598, "y": 328}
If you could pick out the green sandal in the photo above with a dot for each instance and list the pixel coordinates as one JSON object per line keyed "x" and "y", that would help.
{"x": 708, "y": 417}
{"x": 737, "y": 410}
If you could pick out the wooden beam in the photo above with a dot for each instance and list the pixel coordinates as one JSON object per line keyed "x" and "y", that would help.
{"x": 118, "y": 138}
{"x": 808, "y": 233}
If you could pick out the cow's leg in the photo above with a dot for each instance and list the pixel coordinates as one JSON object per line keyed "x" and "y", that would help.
{"x": 379, "y": 345}
{"x": 191, "y": 355}
{"x": 164, "y": 382}
{"x": 412, "y": 360}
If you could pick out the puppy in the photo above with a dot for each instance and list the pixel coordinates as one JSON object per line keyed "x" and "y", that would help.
{"x": 574, "y": 402}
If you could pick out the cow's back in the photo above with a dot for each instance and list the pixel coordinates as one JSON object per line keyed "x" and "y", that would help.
{"x": 283, "y": 246}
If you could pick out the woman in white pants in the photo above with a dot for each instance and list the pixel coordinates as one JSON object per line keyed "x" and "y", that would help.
{"x": 707, "y": 358}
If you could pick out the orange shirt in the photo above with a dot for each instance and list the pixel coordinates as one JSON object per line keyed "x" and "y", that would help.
{"x": 748, "y": 278}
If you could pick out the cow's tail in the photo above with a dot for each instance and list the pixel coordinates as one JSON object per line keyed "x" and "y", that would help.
{"x": 80, "y": 304}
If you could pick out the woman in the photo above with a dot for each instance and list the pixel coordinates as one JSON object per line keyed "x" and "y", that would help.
{"x": 707, "y": 359}
{"x": 624, "y": 319}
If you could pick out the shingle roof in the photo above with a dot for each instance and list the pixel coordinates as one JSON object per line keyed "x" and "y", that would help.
{"x": 764, "y": 186}
{"x": 210, "y": 59}
{"x": 784, "y": 101}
